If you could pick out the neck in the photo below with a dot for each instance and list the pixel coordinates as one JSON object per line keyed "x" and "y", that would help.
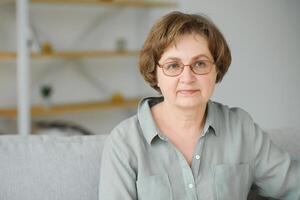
{"x": 188, "y": 119}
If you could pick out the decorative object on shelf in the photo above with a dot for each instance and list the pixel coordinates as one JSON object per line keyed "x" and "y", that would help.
{"x": 46, "y": 92}
{"x": 59, "y": 127}
{"x": 121, "y": 45}
{"x": 117, "y": 98}
{"x": 47, "y": 48}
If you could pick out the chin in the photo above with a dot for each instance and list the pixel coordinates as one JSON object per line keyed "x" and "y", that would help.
{"x": 189, "y": 103}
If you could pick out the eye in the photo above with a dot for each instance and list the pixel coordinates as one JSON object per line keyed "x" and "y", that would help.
{"x": 200, "y": 64}
{"x": 171, "y": 66}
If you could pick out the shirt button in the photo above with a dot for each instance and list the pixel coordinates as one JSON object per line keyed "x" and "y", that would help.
{"x": 197, "y": 157}
{"x": 191, "y": 185}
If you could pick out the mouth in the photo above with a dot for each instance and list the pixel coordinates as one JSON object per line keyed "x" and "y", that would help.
{"x": 187, "y": 92}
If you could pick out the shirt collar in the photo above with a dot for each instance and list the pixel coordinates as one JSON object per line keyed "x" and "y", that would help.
{"x": 145, "y": 117}
{"x": 214, "y": 117}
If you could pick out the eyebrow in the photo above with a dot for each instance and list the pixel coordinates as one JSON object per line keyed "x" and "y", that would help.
{"x": 193, "y": 58}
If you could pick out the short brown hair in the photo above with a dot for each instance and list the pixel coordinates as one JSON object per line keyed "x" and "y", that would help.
{"x": 172, "y": 26}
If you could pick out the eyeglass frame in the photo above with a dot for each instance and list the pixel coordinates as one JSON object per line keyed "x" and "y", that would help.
{"x": 183, "y": 65}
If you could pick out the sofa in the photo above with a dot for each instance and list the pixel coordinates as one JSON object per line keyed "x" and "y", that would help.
{"x": 51, "y": 167}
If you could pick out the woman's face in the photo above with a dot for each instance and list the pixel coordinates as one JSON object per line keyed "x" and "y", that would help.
{"x": 187, "y": 90}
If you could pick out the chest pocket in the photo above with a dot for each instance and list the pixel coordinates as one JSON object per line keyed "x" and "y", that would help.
{"x": 231, "y": 182}
{"x": 154, "y": 187}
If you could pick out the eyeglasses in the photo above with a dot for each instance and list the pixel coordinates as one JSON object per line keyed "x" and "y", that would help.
{"x": 199, "y": 67}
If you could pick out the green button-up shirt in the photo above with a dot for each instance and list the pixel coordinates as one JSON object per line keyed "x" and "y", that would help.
{"x": 232, "y": 154}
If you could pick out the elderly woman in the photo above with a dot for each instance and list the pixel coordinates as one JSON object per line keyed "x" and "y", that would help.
{"x": 182, "y": 145}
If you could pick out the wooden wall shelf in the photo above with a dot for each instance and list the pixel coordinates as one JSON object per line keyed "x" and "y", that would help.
{"x": 129, "y": 3}
{"x": 3, "y": 2}
{"x": 39, "y": 111}
{"x": 70, "y": 54}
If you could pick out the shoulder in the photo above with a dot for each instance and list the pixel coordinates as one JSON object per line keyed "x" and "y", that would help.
{"x": 125, "y": 130}
{"x": 125, "y": 137}
{"x": 232, "y": 122}
{"x": 236, "y": 128}
{"x": 231, "y": 114}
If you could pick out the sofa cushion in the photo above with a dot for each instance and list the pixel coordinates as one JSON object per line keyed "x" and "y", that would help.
{"x": 61, "y": 168}
{"x": 287, "y": 139}
{"x": 50, "y": 167}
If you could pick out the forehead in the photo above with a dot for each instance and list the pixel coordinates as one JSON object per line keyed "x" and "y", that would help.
{"x": 186, "y": 47}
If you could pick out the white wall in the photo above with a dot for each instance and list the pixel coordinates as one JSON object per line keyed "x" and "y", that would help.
{"x": 264, "y": 40}
{"x": 263, "y": 37}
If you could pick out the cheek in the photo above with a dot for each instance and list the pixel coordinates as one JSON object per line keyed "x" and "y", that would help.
{"x": 207, "y": 85}
{"x": 158, "y": 79}
{"x": 212, "y": 82}
{"x": 212, "y": 85}
{"x": 167, "y": 85}
{"x": 158, "y": 76}
{"x": 162, "y": 80}
{"x": 212, "y": 79}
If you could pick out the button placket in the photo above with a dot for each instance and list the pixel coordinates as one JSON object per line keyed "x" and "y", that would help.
{"x": 187, "y": 176}
{"x": 196, "y": 164}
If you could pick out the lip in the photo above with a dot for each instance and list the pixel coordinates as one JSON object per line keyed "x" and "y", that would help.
{"x": 187, "y": 92}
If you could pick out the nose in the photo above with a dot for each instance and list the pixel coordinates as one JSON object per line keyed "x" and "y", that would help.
{"x": 187, "y": 75}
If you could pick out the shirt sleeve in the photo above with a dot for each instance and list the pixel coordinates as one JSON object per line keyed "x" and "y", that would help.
{"x": 117, "y": 176}
{"x": 276, "y": 174}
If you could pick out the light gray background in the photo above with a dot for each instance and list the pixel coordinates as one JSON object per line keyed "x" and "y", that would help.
{"x": 263, "y": 37}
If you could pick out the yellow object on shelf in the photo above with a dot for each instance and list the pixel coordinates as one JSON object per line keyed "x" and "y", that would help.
{"x": 117, "y": 98}
{"x": 47, "y": 48}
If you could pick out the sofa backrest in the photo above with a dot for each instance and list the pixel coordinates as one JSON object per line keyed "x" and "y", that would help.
{"x": 50, "y": 167}
{"x": 47, "y": 167}
{"x": 287, "y": 139}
